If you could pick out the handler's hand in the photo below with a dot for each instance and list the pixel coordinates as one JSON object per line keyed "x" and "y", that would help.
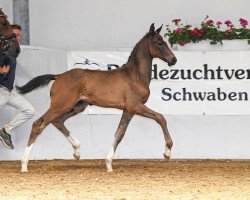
{"x": 5, "y": 69}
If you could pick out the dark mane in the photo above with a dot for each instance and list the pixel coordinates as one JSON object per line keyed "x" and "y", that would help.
{"x": 135, "y": 49}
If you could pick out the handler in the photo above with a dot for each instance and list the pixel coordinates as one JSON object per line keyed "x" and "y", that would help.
{"x": 10, "y": 97}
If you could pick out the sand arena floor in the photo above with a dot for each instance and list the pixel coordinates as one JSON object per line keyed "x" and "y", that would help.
{"x": 131, "y": 179}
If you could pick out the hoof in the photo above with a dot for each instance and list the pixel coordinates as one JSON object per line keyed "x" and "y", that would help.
{"x": 77, "y": 157}
{"x": 166, "y": 156}
{"x": 24, "y": 170}
{"x": 167, "y": 153}
{"x": 109, "y": 166}
{"x": 24, "y": 167}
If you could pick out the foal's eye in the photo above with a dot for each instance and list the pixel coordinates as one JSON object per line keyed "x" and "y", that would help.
{"x": 159, "y": 43}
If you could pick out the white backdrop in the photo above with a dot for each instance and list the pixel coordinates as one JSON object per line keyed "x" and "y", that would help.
{"x": 112, "y": 24}
{"x": 194, "y": 136}
{"x": 212, "y": 83}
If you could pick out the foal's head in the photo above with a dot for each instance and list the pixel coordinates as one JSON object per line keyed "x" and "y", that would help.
{"x": 8, "y": 42}
{"x": 158, "y": 48}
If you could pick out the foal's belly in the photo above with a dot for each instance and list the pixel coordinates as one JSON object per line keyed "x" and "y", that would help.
{"x": 104, "y": 100}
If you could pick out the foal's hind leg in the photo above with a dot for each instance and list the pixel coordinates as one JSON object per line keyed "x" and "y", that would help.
{"x": 37, "y": 127}
{"x": 59, "y": 124}
{"x": 120, "y": 132}
{"x": 142, "y": 110}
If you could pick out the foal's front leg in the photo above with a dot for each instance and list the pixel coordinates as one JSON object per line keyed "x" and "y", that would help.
{"x": 120, "y": 132}
{"x": 142, "y": 110}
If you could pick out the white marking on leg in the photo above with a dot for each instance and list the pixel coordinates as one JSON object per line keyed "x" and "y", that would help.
{"x": 109, "y": 159}
{"x": 76, "y": 145}
{"x": 167, "y": 152}
{"x": 25, "y": 158}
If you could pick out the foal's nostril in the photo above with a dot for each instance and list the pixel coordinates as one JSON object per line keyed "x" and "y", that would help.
{"x": 174, "y": 60}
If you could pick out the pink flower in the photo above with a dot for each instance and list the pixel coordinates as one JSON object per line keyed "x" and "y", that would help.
{"x": 182, "y": 43}
{"x": 208, "y": 22}
{"x": 218, "y": 24}
{"x": 176, "y": 21}
{"x": 178, "y": 30}
{"x": 228, "y": 23}
{"x": 243, "y": 22}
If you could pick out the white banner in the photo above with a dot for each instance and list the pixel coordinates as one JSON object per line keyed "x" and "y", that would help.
{"x": 201, "y": 83}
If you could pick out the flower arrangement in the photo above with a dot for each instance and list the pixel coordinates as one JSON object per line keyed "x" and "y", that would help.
{"x": 208, "y": 30}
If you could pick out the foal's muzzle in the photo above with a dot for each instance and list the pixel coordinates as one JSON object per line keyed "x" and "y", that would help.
{"x": 174, "y": 60}
{"x": 171, "y": 61}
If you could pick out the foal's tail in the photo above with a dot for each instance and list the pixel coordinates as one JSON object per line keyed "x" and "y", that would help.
{"x": 35, "y": 83}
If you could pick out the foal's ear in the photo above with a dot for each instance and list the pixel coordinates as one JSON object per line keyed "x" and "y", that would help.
{"x": 159, "y": 29}
{"x": 152, "y": 29}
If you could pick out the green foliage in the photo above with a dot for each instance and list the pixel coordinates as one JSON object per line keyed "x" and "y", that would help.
{"x": 208, "y": 30}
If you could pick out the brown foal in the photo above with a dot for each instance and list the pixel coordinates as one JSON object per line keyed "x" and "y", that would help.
{"x": 126, "y": 88}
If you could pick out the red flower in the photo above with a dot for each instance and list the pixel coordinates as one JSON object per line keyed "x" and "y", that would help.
{"x": 182, "y": 43}
{"x": 194, "y": 32}
{"x": 176, "y": 21}
{"x": 202, "y": 31}
{"x": 208, "y": 22}
{"x": 243, "y": 22}
{"x": 197, "y": 32}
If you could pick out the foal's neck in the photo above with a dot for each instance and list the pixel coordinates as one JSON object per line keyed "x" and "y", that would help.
{"x": 140, "y": 62}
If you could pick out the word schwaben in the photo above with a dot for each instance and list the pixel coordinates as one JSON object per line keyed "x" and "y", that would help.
{"x": 217, "y": 95}
{"x": 202, "y": 74}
